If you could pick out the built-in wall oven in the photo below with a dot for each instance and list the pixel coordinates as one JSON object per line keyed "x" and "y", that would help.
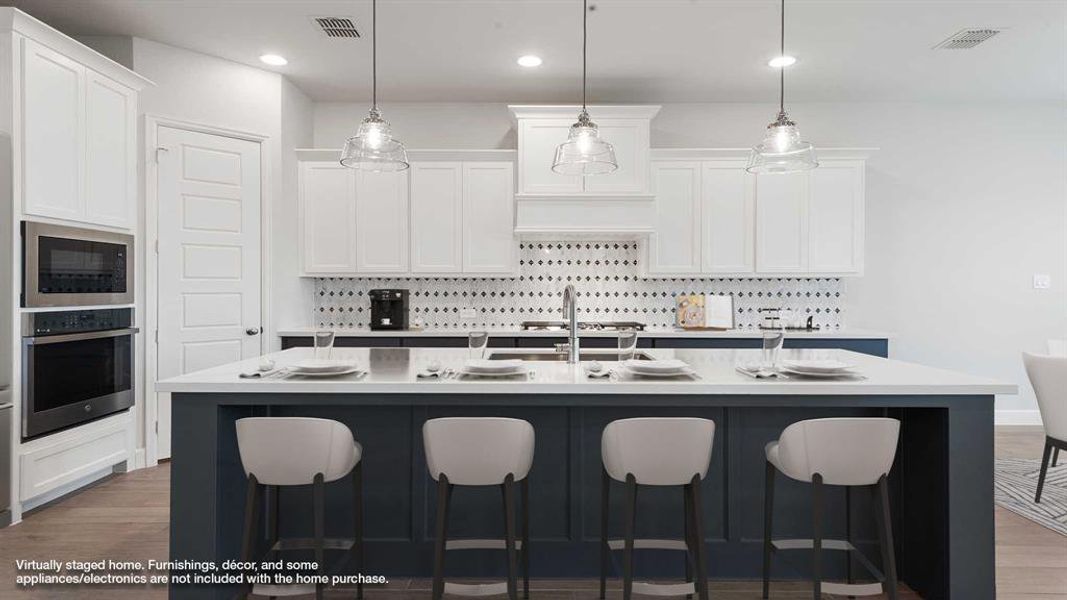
{"x": 70, "y": 266}
{"x": 77, "y": 366}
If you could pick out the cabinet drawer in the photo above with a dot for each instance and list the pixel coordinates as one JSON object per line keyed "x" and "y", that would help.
{"x": 72, "y": 455}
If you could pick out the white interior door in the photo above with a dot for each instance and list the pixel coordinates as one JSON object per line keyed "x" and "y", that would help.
{"x": 208, "y": 192}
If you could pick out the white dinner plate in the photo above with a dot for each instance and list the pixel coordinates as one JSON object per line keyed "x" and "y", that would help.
{"x": 318, "y": 365}
{"x": 484, "y": 365}
{"x": 686, "y": 372}
{"x": 823, "y": 375}
{"x": 347, "y": 371}
{"x": 656, "y": 367}
{"x": 511, "y": 373}
{"x": 817, "y": 366}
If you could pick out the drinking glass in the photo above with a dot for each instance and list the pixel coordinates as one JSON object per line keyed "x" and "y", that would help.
{"x": 324, "y": 344}
{"x": 773, "y": 340}
{"x": 627, "y": 343}
{"x": 477, "y": 342}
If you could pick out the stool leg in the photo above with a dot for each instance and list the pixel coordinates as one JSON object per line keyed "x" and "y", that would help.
{"x": 444, "y": 494}
{"x": 848, "y": 536}
{"x": 248, "y": 543}
{"x": 357, "y": 517}
{"x": 318, "y": 492}
{"x": 272, "y": 515}
{"x": 508, "y": 488}
{"x": 885, "y": 537}
{"x": 816, "y": 522}
{"x": 768, "y": 514}
{"x": 605, "y": 556}
{"x": 1044, "y": 470}
{"x": 696, "y": 517}
{"x": 687, "y": 532}
{"x": 1055, "y": 456}
{"x": 526, "y": 538}
{"x": 628, "y": 551}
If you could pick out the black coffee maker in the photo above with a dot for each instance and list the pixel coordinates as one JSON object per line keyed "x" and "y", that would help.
{"x": 388, "y": 309}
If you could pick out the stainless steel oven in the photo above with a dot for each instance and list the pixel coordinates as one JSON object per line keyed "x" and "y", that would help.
{"x": 76, "y": 366}
{"x": 69, "y": 266}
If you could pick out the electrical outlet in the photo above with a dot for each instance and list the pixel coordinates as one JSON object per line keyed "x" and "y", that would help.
{"x": 1042, "y": 281}
{"x": 468, "y": 313}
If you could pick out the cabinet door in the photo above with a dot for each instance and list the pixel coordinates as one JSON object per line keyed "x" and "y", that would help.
{"x": 674, "y": 248}
{"x": 835, "y": 218}
{"x": 436, "y": 217}
{"x": 489, "y": 218}
{"x": 782, "y": 223}
{"x": 381, "y": 222}
{"x": 328, "y": 210}
{"x": 53, "y": 101}
{"x": 111, "y": 164}
{"x": 728, "y": 217}
{"x": 629, "y": 137}
{"x": 538, "y": 139}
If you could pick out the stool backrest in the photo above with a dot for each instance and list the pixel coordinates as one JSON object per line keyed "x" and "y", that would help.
{"x": 1048, "y": 375}
{"x": 292, "y": 450}
{"x": 658, "y": 451}
{"x": 844, "y": 451}
{"x": 478, "y": 450}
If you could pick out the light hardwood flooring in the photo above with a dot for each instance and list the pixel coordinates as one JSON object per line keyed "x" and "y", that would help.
{"x": 125, "y": 518}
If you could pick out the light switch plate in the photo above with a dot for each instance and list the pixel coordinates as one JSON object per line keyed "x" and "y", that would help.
{"x": 1042, "y": 281}
{"x": 468, "y": 313}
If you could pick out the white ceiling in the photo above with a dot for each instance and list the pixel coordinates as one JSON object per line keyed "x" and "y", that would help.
{"x": 639, "y": 50}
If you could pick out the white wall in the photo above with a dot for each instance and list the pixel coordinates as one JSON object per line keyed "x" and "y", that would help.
{"x": 965, "y": 204}
{"x": 291, "y": 296}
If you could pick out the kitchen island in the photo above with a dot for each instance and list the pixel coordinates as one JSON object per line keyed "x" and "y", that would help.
{"x": 941, "y": 482}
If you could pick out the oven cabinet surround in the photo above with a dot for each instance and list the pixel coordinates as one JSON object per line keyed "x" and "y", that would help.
{"x": 941, "y": 481}
{"x": 76, "y": 128}
{"x": 714, "y": 219}
{"x": 450, "y": 214}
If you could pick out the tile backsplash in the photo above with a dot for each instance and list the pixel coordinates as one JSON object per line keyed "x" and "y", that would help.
{"x": 606, "y": 276}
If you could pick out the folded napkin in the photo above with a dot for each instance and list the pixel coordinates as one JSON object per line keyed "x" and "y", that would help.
{"x": 756, "y": 372}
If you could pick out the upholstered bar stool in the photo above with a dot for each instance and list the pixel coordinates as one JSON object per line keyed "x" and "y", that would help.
{"x": 295, "y": 451}
{"x": 1048, "y": 375}
{"x": 481, "y": 451}
{"x": 852, "y": 452}
{"x": 656, "y": 452}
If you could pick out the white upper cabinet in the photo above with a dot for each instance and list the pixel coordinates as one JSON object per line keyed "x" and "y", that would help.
{"x": 328, "y": 216}
{"x": 538, "y": 139}
{"x": 53, "y": 133}
{"x": 629, "y": 137}
{"x": 728, "y": 219}
{"x": 836, "y": 218}
{"x": 436, "y": 217}
{"x": 381, "y": 222}
{"x": 675, "y": 246}
{"x": 489, "y": 245}
{"x": 78, "y": 136}
{"x": 782, "y": 223}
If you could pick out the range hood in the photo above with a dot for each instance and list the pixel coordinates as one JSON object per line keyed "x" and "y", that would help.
{"x": 552, "y": 206}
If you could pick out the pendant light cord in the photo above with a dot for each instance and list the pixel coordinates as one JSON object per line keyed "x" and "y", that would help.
{"x": 781, "y": 70}
{"x": 585, "y": 38}
{"x": 374, "y": 53}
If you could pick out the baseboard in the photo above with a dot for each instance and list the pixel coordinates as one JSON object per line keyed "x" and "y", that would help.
{"x": 65, "y": 489}
{"x": 1017, "y": 417}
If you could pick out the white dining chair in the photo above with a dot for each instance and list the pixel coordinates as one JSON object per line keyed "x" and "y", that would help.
{"x": 1048, "y": 375}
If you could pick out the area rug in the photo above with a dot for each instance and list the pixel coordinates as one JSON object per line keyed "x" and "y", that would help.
{"x": 1016, "y": 484}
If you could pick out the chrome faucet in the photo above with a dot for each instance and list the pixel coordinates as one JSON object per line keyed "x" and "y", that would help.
{"x": 570, "y": 314}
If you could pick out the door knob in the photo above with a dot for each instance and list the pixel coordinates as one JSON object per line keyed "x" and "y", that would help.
{"x": 252, "y": 331}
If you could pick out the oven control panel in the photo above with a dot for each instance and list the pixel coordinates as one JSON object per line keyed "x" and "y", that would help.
{"x": 63, "y": 322}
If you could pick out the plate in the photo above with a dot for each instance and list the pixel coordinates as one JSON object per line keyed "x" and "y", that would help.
{"x": 687, "y": 372}
{"x": 824, "y": 375}
{"x": 817, "y": 366}
{"x": 318, "y": 365}
{"x": 484, "y": 365}
{"x": 512, "y": 373}
{"x": 347, "y": 371}
{"x": 652, "y": 367}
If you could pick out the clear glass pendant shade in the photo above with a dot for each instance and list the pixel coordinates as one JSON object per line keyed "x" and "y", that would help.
{"x": 374, "y": 148}
{"x": 782, "y": 150}
{"x": 584, "y": 153}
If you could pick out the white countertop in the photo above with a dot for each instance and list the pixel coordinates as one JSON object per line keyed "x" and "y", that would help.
{"x": 392, "y": 370}
{"x": 837, "y": 334}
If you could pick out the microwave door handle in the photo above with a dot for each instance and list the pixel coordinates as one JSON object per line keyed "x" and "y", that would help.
{"x": 76, "y": 337}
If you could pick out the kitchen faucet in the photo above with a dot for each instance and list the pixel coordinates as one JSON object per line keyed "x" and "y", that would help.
{"x": 570, "y": 314}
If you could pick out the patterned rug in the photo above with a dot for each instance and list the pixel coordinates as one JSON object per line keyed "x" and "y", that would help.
{"x": 1016, "y": 484}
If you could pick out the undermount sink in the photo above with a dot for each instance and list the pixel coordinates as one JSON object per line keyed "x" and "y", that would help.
{"x": 562, "y": 357}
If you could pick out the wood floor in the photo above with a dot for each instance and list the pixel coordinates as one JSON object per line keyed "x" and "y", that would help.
{"x": 125, "y": 518}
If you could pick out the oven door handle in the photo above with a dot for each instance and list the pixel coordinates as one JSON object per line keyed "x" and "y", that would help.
{"x": 76, "y": 337}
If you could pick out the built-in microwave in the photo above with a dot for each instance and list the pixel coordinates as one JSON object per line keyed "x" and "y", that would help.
{"x": 70, "y": 266}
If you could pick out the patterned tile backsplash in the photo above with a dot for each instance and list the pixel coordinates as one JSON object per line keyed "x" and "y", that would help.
{"x": 606, "y": 276}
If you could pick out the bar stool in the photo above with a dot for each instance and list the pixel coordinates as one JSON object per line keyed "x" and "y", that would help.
{"x": 481, "y": 451}
{"x": 296, "y": 451}
{"x": 656, "y": 452}
{"x": 851, "y": 452}
{"x": 1048, "y": 375}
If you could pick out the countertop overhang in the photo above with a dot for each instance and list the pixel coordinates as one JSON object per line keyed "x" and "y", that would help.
{"x": 393, "y": 371}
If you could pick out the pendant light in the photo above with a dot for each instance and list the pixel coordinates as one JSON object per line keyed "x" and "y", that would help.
{"x": 374, "y": 148}
{"x": 584, "y": 153}
{"x": 782, "y": 150}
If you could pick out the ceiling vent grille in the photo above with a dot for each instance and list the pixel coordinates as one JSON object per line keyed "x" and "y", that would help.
{"x": 337, "y": 27}
{"x": 967, "y": 39}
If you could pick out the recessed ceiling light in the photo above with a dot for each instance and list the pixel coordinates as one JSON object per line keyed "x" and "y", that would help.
{"x": 779, "y": 62}
{"x": 274, "y": 60}
{"x": 530, "y": 61}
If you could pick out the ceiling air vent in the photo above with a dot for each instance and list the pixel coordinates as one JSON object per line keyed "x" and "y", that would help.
{"x": 337, "y": 27}
{"x": 967, "y": 38}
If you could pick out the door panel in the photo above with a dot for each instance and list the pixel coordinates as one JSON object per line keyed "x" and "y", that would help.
{"x": 630, "y": 140}
{"x": 381, "y": 222}
{"x": 436, "y": 217}
{"x": 111, "y": 138}
{"x": 209, "y": 255}
{"x": 836, "y": 217}
{"x": 489, "y": 244}
{"x": 728, "y": 216}
{"x": 328, "y": 210}
{"x": 538, "y": 139}
{"x": 782, "y": 223}
{"x": 674, "y": 248}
